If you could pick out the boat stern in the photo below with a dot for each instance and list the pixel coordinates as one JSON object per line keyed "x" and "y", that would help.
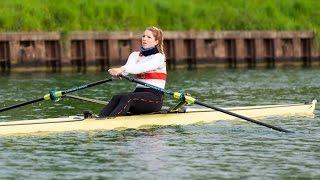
{"x": 313, "y": 104}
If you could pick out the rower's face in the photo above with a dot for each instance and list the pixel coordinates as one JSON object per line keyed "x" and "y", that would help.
{"x": 148, "y": 40}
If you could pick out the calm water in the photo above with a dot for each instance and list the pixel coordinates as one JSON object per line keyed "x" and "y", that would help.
{"x": 227, "y": 149}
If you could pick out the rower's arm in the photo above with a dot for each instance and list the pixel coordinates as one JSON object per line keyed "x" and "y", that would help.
{"x": 156, "y": 62}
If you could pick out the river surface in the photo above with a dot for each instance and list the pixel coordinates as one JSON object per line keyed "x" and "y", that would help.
{"x": 226, "y": 149}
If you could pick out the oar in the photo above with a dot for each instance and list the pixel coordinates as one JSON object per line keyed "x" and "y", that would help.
{"x": 191, "y": 100}
{"x": 54, "y": 95}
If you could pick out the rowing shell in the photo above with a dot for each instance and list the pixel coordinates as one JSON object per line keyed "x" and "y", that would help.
{"x": 190, "y": 116}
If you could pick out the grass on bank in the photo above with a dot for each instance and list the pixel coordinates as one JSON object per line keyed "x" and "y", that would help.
{"x": 135, "y": 15}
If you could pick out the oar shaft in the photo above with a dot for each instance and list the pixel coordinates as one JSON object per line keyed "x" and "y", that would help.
{"x": 242, "y": 117}
{"x": 21, "y": 104}
{"x": 85, "y": 86}
{"x": 61, "y": 93}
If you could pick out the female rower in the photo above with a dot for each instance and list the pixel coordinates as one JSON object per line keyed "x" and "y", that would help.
{"x": 148, "y": 65}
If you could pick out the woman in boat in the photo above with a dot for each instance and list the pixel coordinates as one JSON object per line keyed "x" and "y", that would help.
{"x": 148, "y": 65}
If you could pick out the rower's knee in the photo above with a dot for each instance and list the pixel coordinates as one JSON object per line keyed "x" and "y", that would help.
{"x": 126, "y": 97}
{"x": 119, "y": 96}
{"x": 115, "y": 97}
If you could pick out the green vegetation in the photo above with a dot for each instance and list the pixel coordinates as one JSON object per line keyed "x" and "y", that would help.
{"x": 114, "y": 15}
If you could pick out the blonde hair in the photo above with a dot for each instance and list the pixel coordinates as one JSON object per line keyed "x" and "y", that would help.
{"x": 158, "y": 34}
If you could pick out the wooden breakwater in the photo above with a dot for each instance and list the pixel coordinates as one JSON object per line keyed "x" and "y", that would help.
{"x": 53, "y": 51}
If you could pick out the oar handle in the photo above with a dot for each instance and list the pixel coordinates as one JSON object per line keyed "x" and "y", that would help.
{"x": 145, "y": 84}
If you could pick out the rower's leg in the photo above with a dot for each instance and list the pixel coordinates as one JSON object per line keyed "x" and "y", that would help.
{"x": 146, "y": 102}
{"x": 113, "y": 103}
{"x": 137, "y": 103}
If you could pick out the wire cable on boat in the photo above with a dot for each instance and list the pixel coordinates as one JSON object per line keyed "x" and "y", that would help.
{"x": 191, "y": 100}
{"x": 55, "y": 95}
{"x": 86, "y": 99}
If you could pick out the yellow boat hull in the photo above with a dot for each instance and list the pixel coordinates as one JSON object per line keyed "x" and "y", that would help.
{"x": 191, "y": 116}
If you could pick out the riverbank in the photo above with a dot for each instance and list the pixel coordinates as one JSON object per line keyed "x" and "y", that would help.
{"x": 118, "y": 15}
{"x": 191, "y": 49}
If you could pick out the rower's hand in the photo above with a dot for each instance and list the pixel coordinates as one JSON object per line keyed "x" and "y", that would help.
{"x": 116, "y": 71}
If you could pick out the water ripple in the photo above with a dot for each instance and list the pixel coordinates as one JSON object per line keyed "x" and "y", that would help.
{"x": 224, "y": 150}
